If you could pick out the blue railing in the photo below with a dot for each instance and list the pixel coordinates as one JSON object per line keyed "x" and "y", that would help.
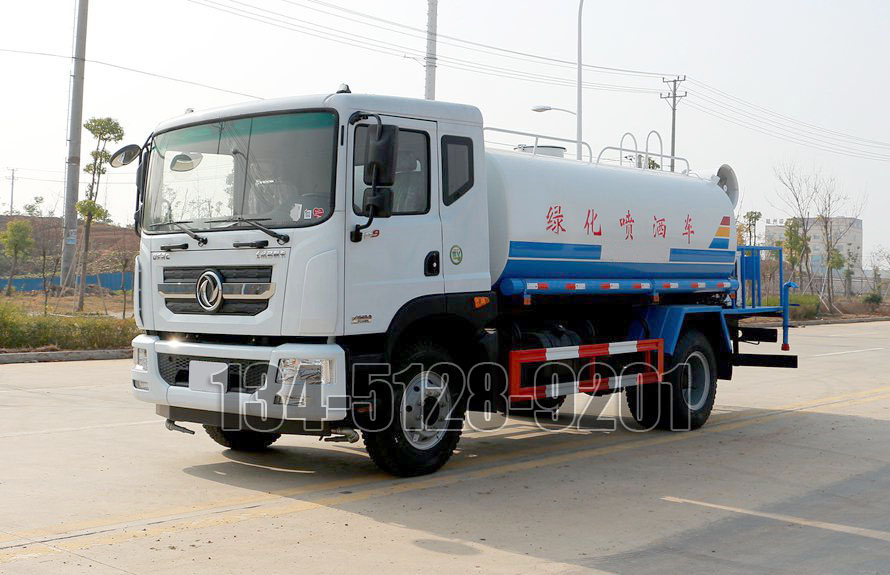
{"x": 749, "y": 272}
{"x": 749, "y": 275}
{"x": 110, "y": 280}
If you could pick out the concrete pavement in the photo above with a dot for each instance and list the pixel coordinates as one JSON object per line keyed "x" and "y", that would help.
{"x": 789, "y": 476}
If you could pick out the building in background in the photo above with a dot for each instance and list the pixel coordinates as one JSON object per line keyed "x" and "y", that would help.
{"x": 847, "y": 231}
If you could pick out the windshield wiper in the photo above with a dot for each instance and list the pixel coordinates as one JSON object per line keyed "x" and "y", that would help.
{"x": 255, "y": 223}
{"x": 181, "y": 225}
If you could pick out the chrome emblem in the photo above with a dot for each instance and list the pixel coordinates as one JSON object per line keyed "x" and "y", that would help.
{"x": 209, "y": 291}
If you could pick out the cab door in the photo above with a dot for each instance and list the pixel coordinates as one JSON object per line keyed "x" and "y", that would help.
{"x": 399, "y": 258}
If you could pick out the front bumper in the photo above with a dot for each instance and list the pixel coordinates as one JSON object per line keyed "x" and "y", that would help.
{"x": 312, "y": 402}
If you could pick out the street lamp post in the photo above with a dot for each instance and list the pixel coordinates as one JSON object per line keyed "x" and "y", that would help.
{"x": 577, "y": 111}
{"x": 580, "y": 98}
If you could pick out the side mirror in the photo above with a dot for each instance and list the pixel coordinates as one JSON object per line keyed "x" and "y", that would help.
{"x": 380, "y": 199}
{"x": 380, "y": 155}
{"x": 125, "y": 155}
{"x": 186, "y": 162}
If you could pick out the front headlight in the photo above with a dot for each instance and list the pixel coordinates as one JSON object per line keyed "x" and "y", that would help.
{"x": 140, "y": 358}
{"x": 306, "y": 371}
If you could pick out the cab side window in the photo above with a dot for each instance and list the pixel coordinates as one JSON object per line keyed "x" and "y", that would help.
{"x": 411, "y": 191}
{"x": 457, "y": 167}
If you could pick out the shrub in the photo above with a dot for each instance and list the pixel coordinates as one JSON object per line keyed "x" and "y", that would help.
{"x": 807, "y": 305}
{"x": 873, "y": 299}
{"x": 21, "y": 331}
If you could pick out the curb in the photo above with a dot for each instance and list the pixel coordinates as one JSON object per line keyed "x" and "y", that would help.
{"x": 82, "y": 355}
{"x": 100, "y": 354}
{"x": 807, "y": 322}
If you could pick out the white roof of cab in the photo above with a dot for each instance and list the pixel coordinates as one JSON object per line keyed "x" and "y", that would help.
{"x": 343, "y": 103}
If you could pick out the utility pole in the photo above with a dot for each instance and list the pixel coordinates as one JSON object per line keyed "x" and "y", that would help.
{"x": 72, "y": 164}
{"x": 671, "y": 98}
{"x": 11, "y": 190}
{"x": 429, "y": 91}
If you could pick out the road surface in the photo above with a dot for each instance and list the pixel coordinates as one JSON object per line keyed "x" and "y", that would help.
{"x": 789, "y": 476}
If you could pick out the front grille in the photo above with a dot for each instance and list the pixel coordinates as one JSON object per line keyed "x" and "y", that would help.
{"x": 245, "y": 375}
{"x": 229, "y": 307}
{"x": 233, "y": 306}
{"x": 259, "y": 274}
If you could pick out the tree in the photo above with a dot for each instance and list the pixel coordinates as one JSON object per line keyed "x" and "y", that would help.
{"x": 18, "y": 241}
{"x": 835, "y": 261}
{"x": 830, "y": 204}
{"x": 47, "y": 244}
{"x": 105, "y": 130}
{"x": 798, "y": 196}
{"x": 751, "y": 218}
{"x": 122, "y": 256}
{"x": 794, "y": 248}
{"x": 875, "y": 260}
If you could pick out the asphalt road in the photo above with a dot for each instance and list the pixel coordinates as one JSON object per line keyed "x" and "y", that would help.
{"x": 789, "y": 476}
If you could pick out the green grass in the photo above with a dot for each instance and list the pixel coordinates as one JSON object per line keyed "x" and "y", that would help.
{"x": 808, "y": 307}
{"x": 19, "y": 330}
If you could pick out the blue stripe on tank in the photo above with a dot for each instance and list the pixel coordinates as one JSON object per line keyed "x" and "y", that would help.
{"x": 719, "y": 244}
{"x": 555, "y": 250}
{"x": 712, "y": 256}
{"x": 529, "y": 269}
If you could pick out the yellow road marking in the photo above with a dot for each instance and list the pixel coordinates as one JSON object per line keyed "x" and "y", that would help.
{"x": 861, "y": 531}
{"x": 119, "y": 532}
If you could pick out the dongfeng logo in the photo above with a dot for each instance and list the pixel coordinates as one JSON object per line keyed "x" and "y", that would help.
{"x": 209, "y": 291}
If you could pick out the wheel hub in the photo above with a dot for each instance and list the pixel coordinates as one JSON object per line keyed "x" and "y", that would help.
{"x": 426, "y": 404}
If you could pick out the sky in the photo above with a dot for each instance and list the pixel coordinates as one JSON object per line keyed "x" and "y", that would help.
{"x": 769, "y": 83}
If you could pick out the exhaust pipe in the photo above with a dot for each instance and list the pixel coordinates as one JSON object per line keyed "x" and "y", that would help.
{"x": 342, "y": 434}
{"x": 171, "y": 425}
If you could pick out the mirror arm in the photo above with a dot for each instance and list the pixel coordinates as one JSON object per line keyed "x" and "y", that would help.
{"x": 359, "y": 116}
{"x": 356, "y": 234}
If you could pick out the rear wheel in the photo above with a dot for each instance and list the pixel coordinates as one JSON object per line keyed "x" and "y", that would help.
{"x": 686, "y": 398}
{"x": 428, "y": 415}
{"x": 241, "y": 440}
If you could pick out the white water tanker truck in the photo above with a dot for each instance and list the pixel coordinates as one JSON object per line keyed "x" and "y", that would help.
{"x": 349, "y": 265}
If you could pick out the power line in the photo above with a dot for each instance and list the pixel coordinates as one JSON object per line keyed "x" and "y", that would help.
{"x": 785, "y": 117}
{"x": 440, "y": 36}
{"x": 778, "y": 124}
{"x": 20, "y": 178}
{"x": 780, "y": 136}
{"x": 134, "y": 70}
{"x": 367, "y": 43}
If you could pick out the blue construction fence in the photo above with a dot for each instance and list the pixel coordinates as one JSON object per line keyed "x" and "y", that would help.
{"x": 109, "y": 280}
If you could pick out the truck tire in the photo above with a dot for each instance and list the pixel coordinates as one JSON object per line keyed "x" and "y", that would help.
{"x": 407, "y": 448}
{"x": 241, "y": 440}
{"x": 684, "y": 402}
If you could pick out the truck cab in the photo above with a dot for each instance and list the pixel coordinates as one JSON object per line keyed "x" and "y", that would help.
{"x": 250, "y": 276}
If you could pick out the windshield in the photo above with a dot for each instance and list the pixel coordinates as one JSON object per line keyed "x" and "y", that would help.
{"x": 276, "y": 169}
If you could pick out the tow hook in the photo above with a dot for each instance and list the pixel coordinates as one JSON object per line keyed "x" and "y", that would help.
{"x": 171, "y": 425}
{"x": 342, "y": 434}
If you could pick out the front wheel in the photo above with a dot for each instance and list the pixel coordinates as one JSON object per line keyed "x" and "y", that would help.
{"x": 428, "y": 414}
{"x": 685, "y": 400}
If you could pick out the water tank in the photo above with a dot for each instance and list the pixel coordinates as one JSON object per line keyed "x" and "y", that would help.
{"x": 562, "y": 219}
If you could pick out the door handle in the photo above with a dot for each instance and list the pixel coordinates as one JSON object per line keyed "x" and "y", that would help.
{"x": 431, "y": 264}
